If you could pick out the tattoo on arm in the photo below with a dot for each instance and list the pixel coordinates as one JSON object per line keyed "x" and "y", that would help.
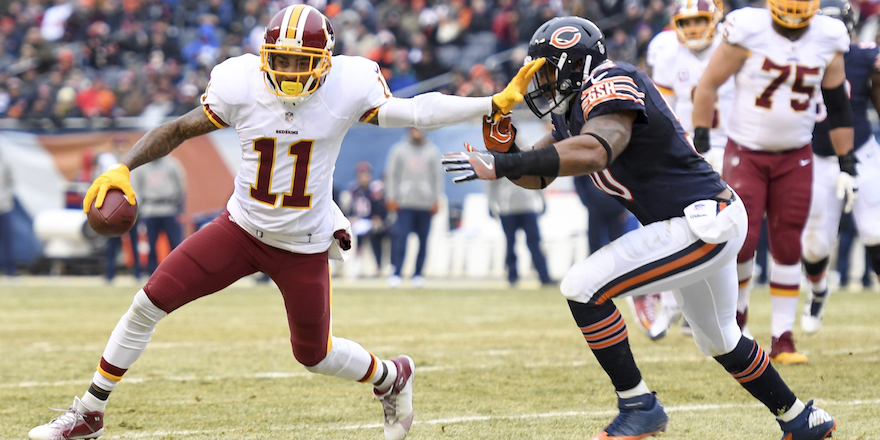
{"x": 615, "y": 128}
{"x": 165, "y": 138}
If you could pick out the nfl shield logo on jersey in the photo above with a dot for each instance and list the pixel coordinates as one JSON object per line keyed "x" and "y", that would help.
{"x": 288, "y": 116}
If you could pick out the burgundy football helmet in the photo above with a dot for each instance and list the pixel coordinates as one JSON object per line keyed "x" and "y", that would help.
{"x": 296, "y": 51}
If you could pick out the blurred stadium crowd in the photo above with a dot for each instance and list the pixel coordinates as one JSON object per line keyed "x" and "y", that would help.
{"x": 90, "y": 59}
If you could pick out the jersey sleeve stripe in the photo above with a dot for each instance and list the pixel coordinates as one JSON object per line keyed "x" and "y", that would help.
{"x": 369, "y": 115}
{"x": 213, "y": 117}
{"x": 588, "y": 108}
{"x": 607, "y": 89}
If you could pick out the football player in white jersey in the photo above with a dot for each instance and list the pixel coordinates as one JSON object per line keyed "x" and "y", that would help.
{"x": 863, "y": 75}
{"x": 780, "y": 58}
{"x": 291, "y": 106}
{"x": 676, "y": 59}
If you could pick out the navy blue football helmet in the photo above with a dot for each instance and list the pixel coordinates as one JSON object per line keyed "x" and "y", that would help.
{"x": 573, "y": 47}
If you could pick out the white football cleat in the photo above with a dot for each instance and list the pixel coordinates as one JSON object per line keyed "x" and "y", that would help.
{"x": 664, "y": 319}
{"x": 814, "y": 312}
{"x": 397, "y": 401}
{"x": 76, "y": 423}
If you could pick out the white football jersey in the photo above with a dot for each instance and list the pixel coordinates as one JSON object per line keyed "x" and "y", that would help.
{"x": 780, "y": 79}
{"x": 676, "y": 70}
{"x": 283, "y": 189}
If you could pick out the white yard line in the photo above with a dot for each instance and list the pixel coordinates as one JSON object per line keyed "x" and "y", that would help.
{"x": 474, "y": 419}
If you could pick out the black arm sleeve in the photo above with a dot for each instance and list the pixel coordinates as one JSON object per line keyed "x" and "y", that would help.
{"x": 837, "y": 102}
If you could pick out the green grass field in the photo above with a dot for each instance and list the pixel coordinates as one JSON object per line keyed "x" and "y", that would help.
{"x": 491, "y": 363}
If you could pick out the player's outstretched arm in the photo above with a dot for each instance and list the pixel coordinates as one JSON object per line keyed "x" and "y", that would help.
{"x": 156, "y": 143}
{"x": 430, "y": 111}
{"x": 602, "y": 139}
{"x": 165, "y": 138}
{"x": 726, "y": 60}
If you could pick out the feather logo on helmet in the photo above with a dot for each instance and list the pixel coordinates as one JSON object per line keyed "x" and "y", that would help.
{"x": 565, "y": 37}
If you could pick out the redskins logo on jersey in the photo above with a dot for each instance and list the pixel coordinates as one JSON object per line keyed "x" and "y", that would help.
{"x": 565, "y": 37}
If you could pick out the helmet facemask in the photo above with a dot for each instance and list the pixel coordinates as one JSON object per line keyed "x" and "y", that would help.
{"x": 793, "y": 14}
{"x": 294, "y": 73}
{"x": 554, "y": 84}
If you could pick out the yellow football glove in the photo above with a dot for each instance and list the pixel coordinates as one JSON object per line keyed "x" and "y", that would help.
{"x": 116, "y": 176}
{"x": 516, "y": 88}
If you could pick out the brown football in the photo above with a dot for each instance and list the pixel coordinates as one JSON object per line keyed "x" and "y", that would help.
{"x": 115, "y": 217}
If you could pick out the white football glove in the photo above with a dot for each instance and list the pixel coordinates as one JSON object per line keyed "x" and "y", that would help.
{"x": 471, "y": 164}
{"x": 847, "y": 189}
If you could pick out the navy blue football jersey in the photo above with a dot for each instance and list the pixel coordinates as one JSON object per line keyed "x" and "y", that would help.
{"x": 859, "y": 65}
{"x": 659, "y": 173}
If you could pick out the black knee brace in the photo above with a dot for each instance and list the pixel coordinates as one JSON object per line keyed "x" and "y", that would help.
{"x": 816, "y": 268}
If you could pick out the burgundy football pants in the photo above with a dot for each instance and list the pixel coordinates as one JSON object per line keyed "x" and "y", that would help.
{"x": 775, "y": 184}
{"x": 222, "y": 253}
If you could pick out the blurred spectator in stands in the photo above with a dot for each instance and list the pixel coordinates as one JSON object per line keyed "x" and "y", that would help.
{"x": 505, "y": 25}
{"x": 131, "y": 98}
{"x": 424, "y": 59}
{"x": 18, "y": 102}
{"x": 99, "y": 49}
{"x": 449, "y": 27}
{"x": 481, "y": 16}
{"x": 657, "y": 15}
{"x": 366, "y": 211}
{"x": 156, "y": 111}
{"x": 532, "y": 13}
{"x": 133, "y": 36}
{"x": 383, "y": 53}
{"x": 95, "y": 99}
{"x": 479, "y": 83}
{"x": 65, "y": 62}
{"x": 203, "y": 50}
{"x": 7, "y": 204}
{"x": 42, "y": 104}
{"x": 518, "y": 208}
{"x": 223, "y": 10}
{"x": 55, "y": 19}
{"x": 403, "y": 74}
{"x": 65, "y": 106}
{"x": 621, "y": 47}
{"x": 160, "y": 186}
{"x": 413, "y": 187}
{"x": 162, "y": 42}
{"x": 367, "y": 13}
{"x": 187, "y": 99}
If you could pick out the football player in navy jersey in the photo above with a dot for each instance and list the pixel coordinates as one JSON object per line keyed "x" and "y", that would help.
{"x": 612, "y": 123}
{"x": 862, "y": 64}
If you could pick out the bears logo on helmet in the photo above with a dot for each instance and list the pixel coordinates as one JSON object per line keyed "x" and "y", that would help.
{"x": 296, "y": 52}
{"x": 559, "y": 40}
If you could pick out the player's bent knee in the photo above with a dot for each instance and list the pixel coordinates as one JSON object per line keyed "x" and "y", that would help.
{"x": 719, "y": 344}
{"x": 144, "y": 311}
{"x": 309, "y": 356}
